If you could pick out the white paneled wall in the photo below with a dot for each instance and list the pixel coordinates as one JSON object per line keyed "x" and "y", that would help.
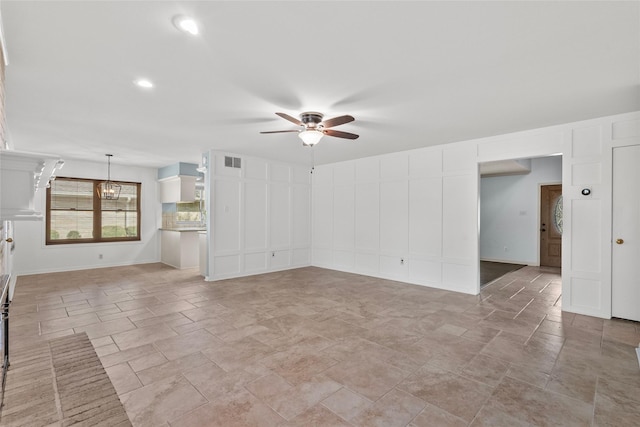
{"x": 261, "y": 217}
{"x": 587, "y": 284}
{"x": 413, "y": 216}
{"x": 383, "y": 216}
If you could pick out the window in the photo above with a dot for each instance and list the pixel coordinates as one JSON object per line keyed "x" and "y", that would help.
{"x": 76, "y": 213}
{"x": 557, "y": 214}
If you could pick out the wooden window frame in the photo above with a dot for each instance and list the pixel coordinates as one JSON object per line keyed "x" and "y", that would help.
{"x": 97, "y": 216}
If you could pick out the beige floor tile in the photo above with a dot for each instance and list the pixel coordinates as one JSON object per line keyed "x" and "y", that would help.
{"x": 240, "y": 409}
{"x": 370, "y": 378}
{"x": 101, "y": 309}
{"x": 457, "y": 395}
{"x": 23, "y": 319}
{"x": 172, "y": 307}
{"x": 296, "y": 367}
{"x": 55, "y": 325}
{"x": 317, "y": 416}
{"x": 434, "y": 416}
{"x": 121, "y": 314}
{"x": 573, "y": 381}
{"x": 109, "y": 299}
{"x": 538, "y": 407}
{"x": 269, "y": 386}
{"x": 481, "y": 334}
{"x": 394, "y": 409}
{"x": 391, "y": 337}
{"x": 99, "y": 342}
{"x": 173, "y": 367}
{"x": 137, "y": 303}
{"x": 490, "y": 416}
{"x": 620, "y": 393}
{"x": 106, "y": 349}
{"x": 238, "y": 354}
{"x": 207, "y": 312}
{"x": 291, "y": 401}
{"x": 162, "y": 401}
{"x": 486, "y": 370}
{"x": 528, "y": 375}
{"x": 213, "y": 382}
{"x": 614, "y": 411}
{"x": 147, "y": 361}
{"x": 189, "y": 343}
{"x": 201, "y": 324}
{"x": 127, "y": 355}
{"x": 103, "y": 329}
{"x": 141, "y": 336}
{"x": 123, "y": 378}
{"x": 455, "y": 355}
{"x": 346, "y": 403}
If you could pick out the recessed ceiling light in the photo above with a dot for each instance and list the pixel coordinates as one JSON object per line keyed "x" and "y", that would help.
{"x": 144, "y": 83}
{"x": 186, "y": 24}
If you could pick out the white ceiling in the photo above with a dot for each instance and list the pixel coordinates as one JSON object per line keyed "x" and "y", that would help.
{"x": 413, "y": 74}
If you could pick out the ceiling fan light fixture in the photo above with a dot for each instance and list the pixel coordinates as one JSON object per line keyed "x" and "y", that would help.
{"x": 186, "y": 24}
{"x": 144, "y": 83}
{"x": 310, "y": 136}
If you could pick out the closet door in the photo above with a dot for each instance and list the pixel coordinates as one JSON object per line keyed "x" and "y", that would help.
{"x": 625, "y": 280}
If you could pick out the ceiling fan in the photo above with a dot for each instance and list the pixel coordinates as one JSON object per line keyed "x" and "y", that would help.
{"x": 314, "y": 127}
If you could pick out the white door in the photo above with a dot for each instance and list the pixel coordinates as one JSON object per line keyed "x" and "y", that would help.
{"x": 551, "y": 225}
{"x": 625, "y": 297}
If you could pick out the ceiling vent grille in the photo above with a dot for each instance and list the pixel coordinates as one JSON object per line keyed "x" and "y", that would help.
{"x": 232, "y": 162}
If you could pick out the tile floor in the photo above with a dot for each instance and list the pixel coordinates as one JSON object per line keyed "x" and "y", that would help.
{"x": 315, "y": 347}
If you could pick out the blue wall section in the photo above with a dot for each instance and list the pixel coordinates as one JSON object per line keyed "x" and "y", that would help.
{"x": 187, "y": 169}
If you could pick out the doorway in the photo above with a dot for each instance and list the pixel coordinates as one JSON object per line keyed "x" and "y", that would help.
{"x": 510, "y": 211}
{"x": 551, "y": 225}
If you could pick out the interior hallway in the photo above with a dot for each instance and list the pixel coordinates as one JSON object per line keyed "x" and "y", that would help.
{"x": 320, "y": 347}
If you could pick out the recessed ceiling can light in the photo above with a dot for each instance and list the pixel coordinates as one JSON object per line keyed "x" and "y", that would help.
{"x": 144, "y": 83}
{"x": 186, "y": 24}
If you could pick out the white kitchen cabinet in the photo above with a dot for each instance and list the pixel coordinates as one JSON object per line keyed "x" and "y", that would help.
{"x": 175, "y": 189}
{"x": 22, "y": 175}
{"x": 179, "y": 248}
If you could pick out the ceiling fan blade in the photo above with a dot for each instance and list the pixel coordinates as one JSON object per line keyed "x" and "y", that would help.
{"x": 339, "y": 134}
{"x": 336, "y": 121}
{"x": 280, "y": 131}
{"x": 291, "y": 119}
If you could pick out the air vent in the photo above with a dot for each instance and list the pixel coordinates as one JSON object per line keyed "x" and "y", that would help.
{"x": 232, "y": 162}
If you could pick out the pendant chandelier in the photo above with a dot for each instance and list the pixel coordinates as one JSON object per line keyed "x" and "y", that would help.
{"x": 109, "y": 190}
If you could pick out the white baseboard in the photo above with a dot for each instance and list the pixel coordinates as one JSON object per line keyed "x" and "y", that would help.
{"x": 507, "y": 261}
{"x": 85, "y": 267}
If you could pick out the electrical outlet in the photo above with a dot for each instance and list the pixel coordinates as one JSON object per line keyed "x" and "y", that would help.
{"x": 99, "y": 256}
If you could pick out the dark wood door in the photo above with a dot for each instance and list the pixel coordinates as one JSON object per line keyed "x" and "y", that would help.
{"x": 551, "y": 225}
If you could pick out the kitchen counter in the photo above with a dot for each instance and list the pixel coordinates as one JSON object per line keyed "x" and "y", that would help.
{"x": 179, "y": 247}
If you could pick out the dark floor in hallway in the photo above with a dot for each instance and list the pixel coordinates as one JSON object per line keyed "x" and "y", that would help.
{"x": 490, "y": 271}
